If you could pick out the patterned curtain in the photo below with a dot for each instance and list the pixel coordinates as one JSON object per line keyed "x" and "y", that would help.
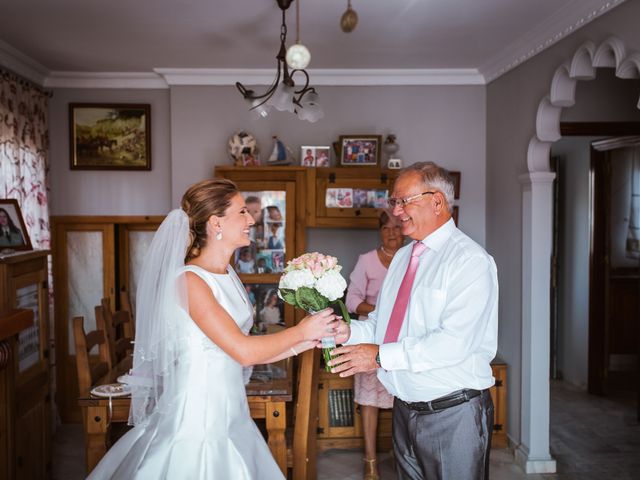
{"x": 24, "y": 143}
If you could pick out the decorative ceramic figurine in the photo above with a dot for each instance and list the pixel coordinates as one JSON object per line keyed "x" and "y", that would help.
{"x": 243, "y": 149}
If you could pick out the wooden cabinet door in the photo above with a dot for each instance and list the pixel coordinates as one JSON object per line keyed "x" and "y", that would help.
{"x": 84, "y": 273}
{"x": 93, "y": 256}
{"x": 33, "y": 435}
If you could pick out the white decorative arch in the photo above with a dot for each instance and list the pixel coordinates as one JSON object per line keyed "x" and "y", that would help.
{"x": 563, "y": 87}
{"x": 537, "y": 203}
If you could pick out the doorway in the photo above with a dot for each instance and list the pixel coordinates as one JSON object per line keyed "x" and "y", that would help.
{"x": 595, "y": 335}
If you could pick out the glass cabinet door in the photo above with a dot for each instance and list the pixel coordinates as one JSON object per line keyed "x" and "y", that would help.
{"x": 260, "y": 264}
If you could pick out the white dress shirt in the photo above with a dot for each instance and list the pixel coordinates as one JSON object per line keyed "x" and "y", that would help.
{"x": 450, "y": 332}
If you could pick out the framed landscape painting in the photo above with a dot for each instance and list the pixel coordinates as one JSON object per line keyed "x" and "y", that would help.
{"x": 110, "y": 136}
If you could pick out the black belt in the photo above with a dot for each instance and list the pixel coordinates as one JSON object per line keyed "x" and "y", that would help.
{"x": 451, "y": 400}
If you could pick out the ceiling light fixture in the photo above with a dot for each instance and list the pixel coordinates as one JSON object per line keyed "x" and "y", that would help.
{"x": 349, "y": 19}
{"x": 282, "y": 94}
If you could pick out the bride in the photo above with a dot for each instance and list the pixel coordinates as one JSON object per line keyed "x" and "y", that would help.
{"x": 188, "y": 405}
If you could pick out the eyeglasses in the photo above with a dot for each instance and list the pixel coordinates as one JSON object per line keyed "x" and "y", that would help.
{"x": 402, "y": 202}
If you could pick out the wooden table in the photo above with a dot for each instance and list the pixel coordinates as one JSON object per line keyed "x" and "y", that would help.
{"x": 266, "y": 400}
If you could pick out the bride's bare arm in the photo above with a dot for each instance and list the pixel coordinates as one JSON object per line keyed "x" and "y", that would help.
{"x": 218, "y": 325}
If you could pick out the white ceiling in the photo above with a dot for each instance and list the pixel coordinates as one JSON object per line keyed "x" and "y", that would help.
{"x": 473, "y": 39}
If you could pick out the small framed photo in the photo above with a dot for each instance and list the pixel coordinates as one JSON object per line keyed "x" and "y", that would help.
{"x": 312, "y": 156}
{"x": 13, "y": 231}
{"x": 360, "y": 150}
{"x": 104, "y": 136}
{"x": 339, "y": 198}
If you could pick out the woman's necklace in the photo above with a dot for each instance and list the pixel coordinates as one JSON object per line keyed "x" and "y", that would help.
{"x": 390, "y": 255}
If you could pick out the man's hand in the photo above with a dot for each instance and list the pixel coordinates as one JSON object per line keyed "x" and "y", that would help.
{"x": 352, "y": 359}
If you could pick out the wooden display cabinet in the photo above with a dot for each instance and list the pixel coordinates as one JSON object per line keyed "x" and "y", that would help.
{"x": 279, "y": 190}
{"x": 340, "y": 425}
{"x": 339, "y": 420}
{"x": 371, "y": 179}
{"x": 24, "y": 285}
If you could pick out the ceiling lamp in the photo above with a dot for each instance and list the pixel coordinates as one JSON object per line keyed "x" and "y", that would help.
{"x": 349, "y": 19}
{"x": 282, "y": 94}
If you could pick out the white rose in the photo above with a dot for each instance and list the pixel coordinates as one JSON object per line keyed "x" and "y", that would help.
{"x": 296, "y": 279}
{"x": 331, "y": 285}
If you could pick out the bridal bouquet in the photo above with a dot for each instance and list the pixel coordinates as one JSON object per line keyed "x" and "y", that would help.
{"x": 313, "y": 282}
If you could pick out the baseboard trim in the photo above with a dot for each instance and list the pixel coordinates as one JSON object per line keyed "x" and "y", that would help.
{"x": 534, "y": 465}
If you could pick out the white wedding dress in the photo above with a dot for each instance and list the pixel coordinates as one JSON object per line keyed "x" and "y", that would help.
{"x": 208, "y": 432}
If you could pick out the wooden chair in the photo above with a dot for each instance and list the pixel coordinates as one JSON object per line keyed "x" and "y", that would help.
{"x": 126, "y": 305}
{"x": 120, "y": 334}
{"x": 301, "y": 449}
{"x": 91, "y": 373}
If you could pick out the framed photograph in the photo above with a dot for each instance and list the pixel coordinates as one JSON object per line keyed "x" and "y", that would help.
{"x": 339, "y": 198}
{"x": 312, "y": 156}
{"x": 13, "y": 231}
{"x": 360, "y": 150}
{"x": 105, "y": 136}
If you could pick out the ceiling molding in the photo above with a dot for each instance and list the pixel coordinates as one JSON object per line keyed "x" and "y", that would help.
{"x": 569, "y": 19}
{"x": 104, "y": 80}
{"x": 327, "y": 77}
{"x": 19, "y": 63}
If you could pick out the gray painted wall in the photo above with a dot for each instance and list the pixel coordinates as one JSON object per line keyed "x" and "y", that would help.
{"x": 441, "y": 124}
{"x": 91, "y": 192}
{"x": 512, "y": 102}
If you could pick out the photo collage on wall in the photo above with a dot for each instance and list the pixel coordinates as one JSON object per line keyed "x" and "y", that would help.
{"x": 266, "y": 253}
{"x": 355, "y": 198}
{"x": 268, "y": 308}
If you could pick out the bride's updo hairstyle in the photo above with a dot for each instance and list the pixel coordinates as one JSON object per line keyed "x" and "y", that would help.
{"x": 200, "y": 201}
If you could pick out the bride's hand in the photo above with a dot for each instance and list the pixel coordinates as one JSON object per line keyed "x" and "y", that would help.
{"x": 306, "y": 345}
{"x": 318, "y": 325}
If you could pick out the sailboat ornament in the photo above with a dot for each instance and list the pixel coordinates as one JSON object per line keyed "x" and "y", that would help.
{"x": 281, "y": 154}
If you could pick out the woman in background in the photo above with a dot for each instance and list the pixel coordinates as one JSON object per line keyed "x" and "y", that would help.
{"x": 365, "y": 282}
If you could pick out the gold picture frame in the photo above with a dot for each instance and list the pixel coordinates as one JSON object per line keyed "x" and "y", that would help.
{"x": 109, "y": 136}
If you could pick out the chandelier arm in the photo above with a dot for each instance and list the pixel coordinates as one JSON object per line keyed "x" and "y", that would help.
{"x": 306, "y": 87}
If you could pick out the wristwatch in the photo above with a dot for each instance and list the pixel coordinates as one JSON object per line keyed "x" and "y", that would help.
{"x": 378, "y": 359}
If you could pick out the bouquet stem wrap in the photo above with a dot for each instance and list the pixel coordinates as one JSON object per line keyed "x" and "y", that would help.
{"x": 313, "y": 282}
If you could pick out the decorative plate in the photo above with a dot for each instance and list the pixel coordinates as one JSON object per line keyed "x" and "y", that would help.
{"x": 112, "y": 390}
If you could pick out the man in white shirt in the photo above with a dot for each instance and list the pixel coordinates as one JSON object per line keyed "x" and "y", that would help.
{"x": 432, "y": 336}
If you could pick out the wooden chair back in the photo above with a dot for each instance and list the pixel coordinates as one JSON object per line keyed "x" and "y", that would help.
{"x": 120, "y": 334}
{"x": 91, "y": 373}
{"x": 301, "y": 457}
{"x": 126, "y": 305}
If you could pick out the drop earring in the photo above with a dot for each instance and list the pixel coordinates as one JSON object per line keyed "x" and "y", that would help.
{"x": 219, "y": 235}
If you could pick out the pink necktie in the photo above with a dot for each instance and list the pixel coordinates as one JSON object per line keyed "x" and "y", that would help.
{"x": 402, "y": 300}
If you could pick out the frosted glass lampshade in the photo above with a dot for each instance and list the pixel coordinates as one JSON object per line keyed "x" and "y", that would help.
{"x": 298, "y": 56}
{"x": 282, "y": 98}
{"x": 260, "y": 111}
{"x": 310, "y": 109}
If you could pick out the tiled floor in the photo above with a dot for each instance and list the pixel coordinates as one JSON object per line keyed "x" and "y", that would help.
{"x": 591, "y": 438}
